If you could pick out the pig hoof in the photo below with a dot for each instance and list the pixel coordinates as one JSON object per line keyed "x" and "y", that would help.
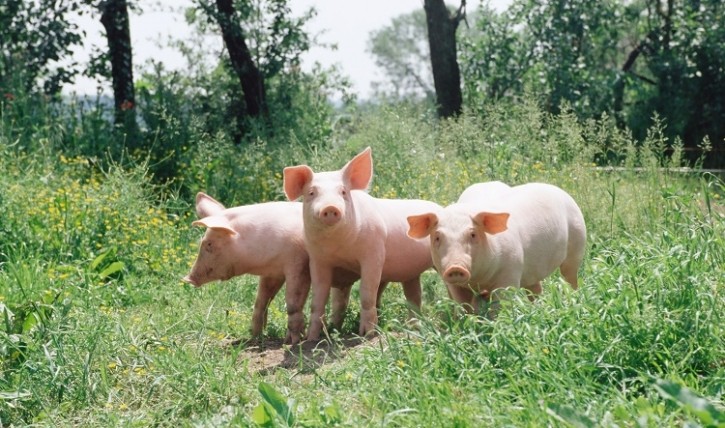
{"x": 312, "y": 338}
{"x": 368, "y": 332}
{"x": 292, "y": 339}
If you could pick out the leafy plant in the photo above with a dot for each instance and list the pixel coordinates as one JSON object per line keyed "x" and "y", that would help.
{"x": 274, "y": 409}
{"x": 694, "y": 403}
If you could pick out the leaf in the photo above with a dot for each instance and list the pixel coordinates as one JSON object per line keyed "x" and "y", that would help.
{"x": 99, "y": 259}
{"x": 262, "y": 415}
{"x": 569, "y": 415}
{"x": 30, "y": 322}
{"x": 687, "y": 398}
{"x": 114, "y": 267}
{"x": 277, "y": 401}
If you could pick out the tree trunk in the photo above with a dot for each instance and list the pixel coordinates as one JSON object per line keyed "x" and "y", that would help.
{"x": 250, "y": 78}
{"x": 114, "y": 17}
{"x": 442, "y": 27}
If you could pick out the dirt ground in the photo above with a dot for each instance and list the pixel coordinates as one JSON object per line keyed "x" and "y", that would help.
{"x": 268, "y": 354}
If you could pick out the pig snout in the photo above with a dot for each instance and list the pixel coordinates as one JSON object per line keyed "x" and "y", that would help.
{"x": 330, "y": 215}
{"x": 456, "y": 274}
{"x": 189, "y": 280}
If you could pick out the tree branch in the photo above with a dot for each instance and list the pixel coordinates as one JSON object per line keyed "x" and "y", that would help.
{"x": 460, "y": 14}
{"x": 632, "y": 57}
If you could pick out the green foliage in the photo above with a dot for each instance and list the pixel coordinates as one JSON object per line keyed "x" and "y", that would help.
{"x": 191, "y": 119}
{"x": 181, "y": 114}
{"x": 494, "y": 58}
{"x": 35, "y": 36}
{"x": 685, "y": 58}
{"x": 561, "y": 51}
{"x": 632, "y": 61}
{"x": 278, "y": 37}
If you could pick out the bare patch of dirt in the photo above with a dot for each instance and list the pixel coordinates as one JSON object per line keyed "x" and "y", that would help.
{"x": 268, "y": 354}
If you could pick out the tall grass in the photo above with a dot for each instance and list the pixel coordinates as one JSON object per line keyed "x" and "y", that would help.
{"x": 97, "y": 330}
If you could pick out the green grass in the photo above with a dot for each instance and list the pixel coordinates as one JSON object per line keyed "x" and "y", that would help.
{"x": 98, "y": 330}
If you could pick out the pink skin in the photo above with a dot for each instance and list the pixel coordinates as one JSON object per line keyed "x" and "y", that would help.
{"x": 346, "y": 228}
{"x": 495, "y": 237}
{"x": 264, "y": 240}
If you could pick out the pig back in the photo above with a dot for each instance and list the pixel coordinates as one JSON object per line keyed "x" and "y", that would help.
{"x": 487, "y": 192}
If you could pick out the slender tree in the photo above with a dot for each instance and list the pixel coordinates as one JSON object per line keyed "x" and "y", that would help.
{"x": 114, "y": 17}
{"x": 442, "y": 26}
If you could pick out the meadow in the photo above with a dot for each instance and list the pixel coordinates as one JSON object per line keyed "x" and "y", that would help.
{"x": 96, "y": 328}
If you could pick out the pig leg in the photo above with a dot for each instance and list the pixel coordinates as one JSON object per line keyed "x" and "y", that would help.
{"x": 381, "y": 288}
{"x": 412, "y": 291}
{"x": 371, "y": 273}
{"x": 487, "y": 304}
{"x": 321, "y": 283}
{"x": 464, "y": 296}
{"x": 298, "y": 287}
{"x": 340, "y": 297}
{"x": 574, "y": 255}
{"x": 570, "y": 269}
{"x": 268, "y": 288}
{"x": 535, "y": 290}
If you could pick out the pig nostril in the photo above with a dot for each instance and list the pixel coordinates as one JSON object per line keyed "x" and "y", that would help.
{"x": 456, "y": 274}
{"x": 331, "y": 214}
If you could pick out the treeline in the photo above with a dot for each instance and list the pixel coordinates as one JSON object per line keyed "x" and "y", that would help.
{"x": 629, "y": 63}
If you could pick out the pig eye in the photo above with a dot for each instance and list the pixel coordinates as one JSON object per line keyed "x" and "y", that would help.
{"x": 343, "y": 192}
{"x": 473, "y": 235}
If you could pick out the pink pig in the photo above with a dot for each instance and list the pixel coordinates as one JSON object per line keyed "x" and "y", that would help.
{"x": 344, "y": 227}
{"x": 496, "y": 236}
{"x": 263, "y": 239}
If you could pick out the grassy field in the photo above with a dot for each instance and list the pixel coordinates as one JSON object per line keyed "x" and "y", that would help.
{"x": 96, "y": 328}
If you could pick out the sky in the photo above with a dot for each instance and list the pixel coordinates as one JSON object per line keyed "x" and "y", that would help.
{"x": 346, "y": 23}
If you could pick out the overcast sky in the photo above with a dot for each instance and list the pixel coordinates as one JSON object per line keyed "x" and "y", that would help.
{"x": 347, "y": 23}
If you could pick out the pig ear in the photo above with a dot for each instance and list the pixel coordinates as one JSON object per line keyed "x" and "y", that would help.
{"x": 357, "y": 173}
{"x": 295, "y": 179}
{"x": 216, "y": 223}
{"x": 206, "y": 205}
{"x": 422, "y": 225}
{"x": 492, "y": 223}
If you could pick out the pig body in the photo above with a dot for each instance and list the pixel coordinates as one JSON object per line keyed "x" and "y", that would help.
{"x": 492, "y": 191}
{"x": 507, "y": 237}
{"x": 263, "y": 239}
{"x": 346, "y": 228}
